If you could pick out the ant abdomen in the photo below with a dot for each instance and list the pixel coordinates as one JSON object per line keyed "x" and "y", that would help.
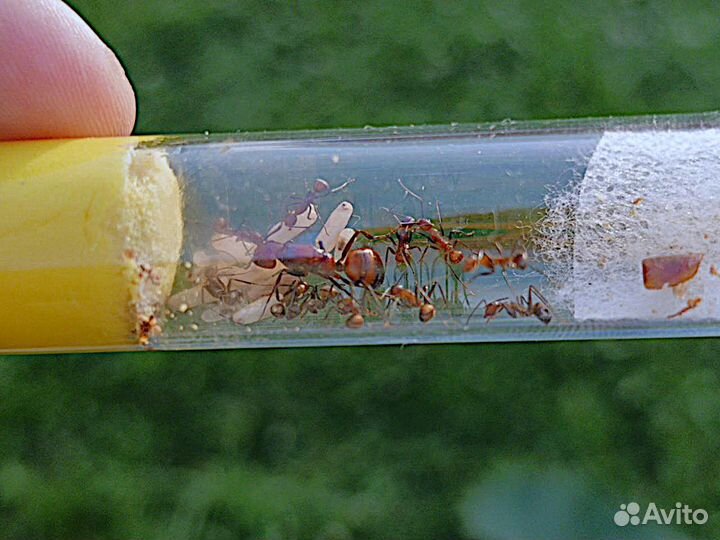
{"x": 364, "y": 268}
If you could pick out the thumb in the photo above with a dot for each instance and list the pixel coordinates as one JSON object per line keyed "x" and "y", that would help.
{"x": 57, "y": 78}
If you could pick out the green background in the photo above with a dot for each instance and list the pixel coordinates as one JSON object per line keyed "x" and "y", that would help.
{"x": 524, "y": 441}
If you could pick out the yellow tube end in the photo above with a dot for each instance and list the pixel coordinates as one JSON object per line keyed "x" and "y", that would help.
{"x": 90, "y": 236}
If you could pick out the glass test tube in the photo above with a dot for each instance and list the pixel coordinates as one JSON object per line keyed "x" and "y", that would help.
{"x": 503, "y": 232}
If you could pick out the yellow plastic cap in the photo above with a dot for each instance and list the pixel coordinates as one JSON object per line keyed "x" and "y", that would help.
{"x": 90, "y": 236}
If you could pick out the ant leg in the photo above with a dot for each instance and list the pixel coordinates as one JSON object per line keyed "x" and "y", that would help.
{"x": 388, "y": 251}
{"x": 514, "y": 310}
{"x": 420, "y": 261}
{"x": 340, "y": 187}
{"x": 507, "y": 282}
{"x": 336, "y": 281}
{"x": 275, "y": 291}
{"x": 472, "y": 313}
{"x": 429, "y": 294}
{"x": 440, "y": 224}
{"x": 532, "y": 289}
{"x": 350, "y": 242}
{"x": 457, "y": 233}
{"x": 408, "y": 191}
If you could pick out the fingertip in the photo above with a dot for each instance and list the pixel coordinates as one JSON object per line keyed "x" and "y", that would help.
{"x": 57, "y": 78}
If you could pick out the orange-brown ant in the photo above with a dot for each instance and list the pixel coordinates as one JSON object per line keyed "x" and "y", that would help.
{"x": 437, "y": 239}
{"x": 408, "y": 298}
{"x": 147, "y": 328}
{"x": 401, "y": 236}
{"x": 516, "y": 260}
{"x": 349, "y": 306}
{"x": 521, "y": 307}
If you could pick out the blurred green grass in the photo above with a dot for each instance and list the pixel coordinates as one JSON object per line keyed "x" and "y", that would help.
{"x": 372, "y": 442}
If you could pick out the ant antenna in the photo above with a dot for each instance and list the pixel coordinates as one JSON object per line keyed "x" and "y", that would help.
{"x": 409, "y": 192}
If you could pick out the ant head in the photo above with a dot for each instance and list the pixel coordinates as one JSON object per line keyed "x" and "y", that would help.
{"x": 455, "y": 256}
{"x": 321, "y": 186}
{"x": 290, "y": 220}
{"x": 407, "y": 220}
{"x": 425, "y": 224}
{"x": 520, "y": 260}
{"x": 396, "y": 290}
{"x": 543, "y": 314}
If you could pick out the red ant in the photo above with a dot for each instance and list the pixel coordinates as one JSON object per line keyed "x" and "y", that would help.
{"x": 437, "y": 239}
{"x": 147, "y": 327}
{"x": 314, "y": 299}
{"x": 521, "y": 307}
{"x": 401, "y": 236}
{"x": 349, "y": 306}
{"x": 517, "y": 260}
{"x": 408, "y": 298}
{"x": 305, "y": 204}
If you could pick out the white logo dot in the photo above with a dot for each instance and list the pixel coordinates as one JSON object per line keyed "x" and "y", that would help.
{"x": 621, "y": 518}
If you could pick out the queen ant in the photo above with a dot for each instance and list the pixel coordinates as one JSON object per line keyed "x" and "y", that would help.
{"x": 358, "y": 267}
{"x": 521, "y": 307}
